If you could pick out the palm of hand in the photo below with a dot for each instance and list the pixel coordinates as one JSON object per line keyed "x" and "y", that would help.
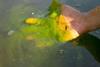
{"x": 73, "y": 20}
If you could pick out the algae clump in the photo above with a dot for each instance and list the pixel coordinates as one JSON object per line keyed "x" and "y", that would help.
{"x": 40, "y": 31}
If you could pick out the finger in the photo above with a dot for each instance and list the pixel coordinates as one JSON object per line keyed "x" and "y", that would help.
{"x": 69, "y": 11}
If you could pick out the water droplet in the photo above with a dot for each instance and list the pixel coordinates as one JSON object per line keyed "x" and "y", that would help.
{"x": 32, "y": 13}
{"x": 10, "y": 32}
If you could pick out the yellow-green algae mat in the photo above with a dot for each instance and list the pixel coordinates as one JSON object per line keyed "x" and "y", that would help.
{"x": 39, "y": 31}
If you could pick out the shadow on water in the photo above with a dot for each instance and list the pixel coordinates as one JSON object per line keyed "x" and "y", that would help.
{"x": 91, "y": 43}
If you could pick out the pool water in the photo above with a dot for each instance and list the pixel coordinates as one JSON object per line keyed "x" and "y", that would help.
{"x": 15, "y": 52}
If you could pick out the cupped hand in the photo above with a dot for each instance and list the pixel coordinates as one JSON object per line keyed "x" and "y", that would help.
{"x": 71, "y": 22}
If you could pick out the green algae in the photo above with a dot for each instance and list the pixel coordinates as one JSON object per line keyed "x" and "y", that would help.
{"x": 44, "y": 33}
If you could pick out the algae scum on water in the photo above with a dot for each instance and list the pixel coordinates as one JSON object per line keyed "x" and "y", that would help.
{"x": 39, "y": 31}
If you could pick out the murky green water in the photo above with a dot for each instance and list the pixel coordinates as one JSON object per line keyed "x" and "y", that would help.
{"x": 15, "y": 52}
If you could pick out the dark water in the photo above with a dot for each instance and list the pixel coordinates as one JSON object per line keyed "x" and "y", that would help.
{"x": 65, "y": 55}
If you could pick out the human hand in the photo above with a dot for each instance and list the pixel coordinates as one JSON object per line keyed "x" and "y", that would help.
{"x": 77, "y": 22}
{"x": 71, "y": 22}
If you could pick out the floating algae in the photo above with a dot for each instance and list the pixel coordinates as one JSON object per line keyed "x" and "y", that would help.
{"x": 31, "y": 21}
{"x": 47, "y": 30}
{"x": 42, "y": 31}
